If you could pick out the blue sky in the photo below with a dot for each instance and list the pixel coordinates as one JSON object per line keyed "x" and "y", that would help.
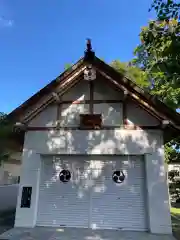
{"x": 38, "y": 37}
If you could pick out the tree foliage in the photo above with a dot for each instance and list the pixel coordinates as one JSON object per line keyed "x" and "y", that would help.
{"x": 67, "y": 66}
{"x": 166, "y": 9}
{"x": 158, "y": 55}
{"x": 132, "y": 72}
{"x": 5, "y": 132}
{"x": 174, "y": 185}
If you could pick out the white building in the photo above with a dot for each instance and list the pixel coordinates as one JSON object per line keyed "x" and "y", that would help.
{"x": 10, "y": 169}
{"x": 174, "y": 166}
{"x": 93, "y": 154}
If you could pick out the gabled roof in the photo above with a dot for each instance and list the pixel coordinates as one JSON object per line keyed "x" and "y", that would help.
{"x": 75, "y": 73}
{"x": 46, "y": 90}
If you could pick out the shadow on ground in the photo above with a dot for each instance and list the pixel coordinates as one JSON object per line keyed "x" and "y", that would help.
{"x": 42, "y": 233}
{"x": 175, "y": 217}
{"x": 176, "y": 226}
{"x": 7, "y": 220}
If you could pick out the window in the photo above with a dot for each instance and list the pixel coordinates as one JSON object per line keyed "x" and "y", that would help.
{"x": 26, "y": 197}
{"x": 90, "y": 121}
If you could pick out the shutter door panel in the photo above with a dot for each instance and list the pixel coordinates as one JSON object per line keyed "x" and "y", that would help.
{"x": 91, "y": 198}
{"x": 63, "y": 204}
{"x": 119, "y": 206}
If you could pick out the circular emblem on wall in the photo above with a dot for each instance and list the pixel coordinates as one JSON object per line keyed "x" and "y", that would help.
{"x": 65, "y": 176}
{"x": 118, "y": 176}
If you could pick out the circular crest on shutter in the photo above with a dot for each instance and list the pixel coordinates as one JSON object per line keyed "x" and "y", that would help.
{"x": 118, "y": 176}
{"x": 65, "y": 176}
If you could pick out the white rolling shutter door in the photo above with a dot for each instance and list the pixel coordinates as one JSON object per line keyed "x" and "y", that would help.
{"x": 63, "y": 204}
{"x": 118, "y": 206}
{"x": 91, "y": 198}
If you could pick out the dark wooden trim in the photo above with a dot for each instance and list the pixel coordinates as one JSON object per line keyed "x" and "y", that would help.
{"x": 152, "y": 100}
{"x": 37, "y": 110}
{"x": 88, "y": 101}
{"x": 135, "y": 97}
{"x": 50, "y": 101}
{"x": 124, "y": 113}
{"x": 126, "y": 127}
{"x": 109, "y": 83}
{"x": 13, "y": 161}
{"x": 124, "y": 109}
{"x": 143, "y": 98}
{"x": 91, "y": 96}
{"x": 147, "y": 110}
{"x": 48, "y": 88}
{"x": 92, "y": 121}
{"x": 41, "y": 128}
{"x": 156, "y": 106}
{"x": 59, "y": 110}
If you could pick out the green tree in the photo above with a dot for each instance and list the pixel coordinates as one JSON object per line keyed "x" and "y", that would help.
{"x": 132, "y": 72}
{"x": 6, "y": 130}
{"x": 166, "y": 9}
{"x": 67, "y": 66}
{"x": 158, "y": 55}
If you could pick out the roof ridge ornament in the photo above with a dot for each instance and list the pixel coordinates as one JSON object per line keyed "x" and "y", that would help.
{"x": 89, "y": 54}
{"x": 89, "y": 47}
{"x": 89, "y": 73}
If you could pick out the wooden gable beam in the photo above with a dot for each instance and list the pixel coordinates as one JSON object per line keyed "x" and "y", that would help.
{"x": 91, "y": 95}
{"x": 124, "y": 108}
{"x": 65, "y": 86}
{"x": 134, "y": 96}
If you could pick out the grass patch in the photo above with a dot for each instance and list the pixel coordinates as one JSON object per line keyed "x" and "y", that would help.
{"x": 175, "y": 216}
{"x": 175, "y": 211}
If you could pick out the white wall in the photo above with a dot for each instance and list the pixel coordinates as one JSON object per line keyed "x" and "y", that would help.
{"x": 138, "y": 116}
{"x": 26, "y": 217}
{"x": 103, "y": 91}
{"x": 111, "y": 113}
{"x": 88, "y": 142}
{"x": 8, "y": 196}
{"x": 157, "y": 193}
{"x": 10, "y": 169}
{"x": 46, "y": 118}
{"x": 174, "y": 167}
{"x": 98, "y": 142}
{"x": 13, "y": 169}
{"x": 79, "y": 91}
{"x": 70, "y": 114}
{"x": 148, "y": 143}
